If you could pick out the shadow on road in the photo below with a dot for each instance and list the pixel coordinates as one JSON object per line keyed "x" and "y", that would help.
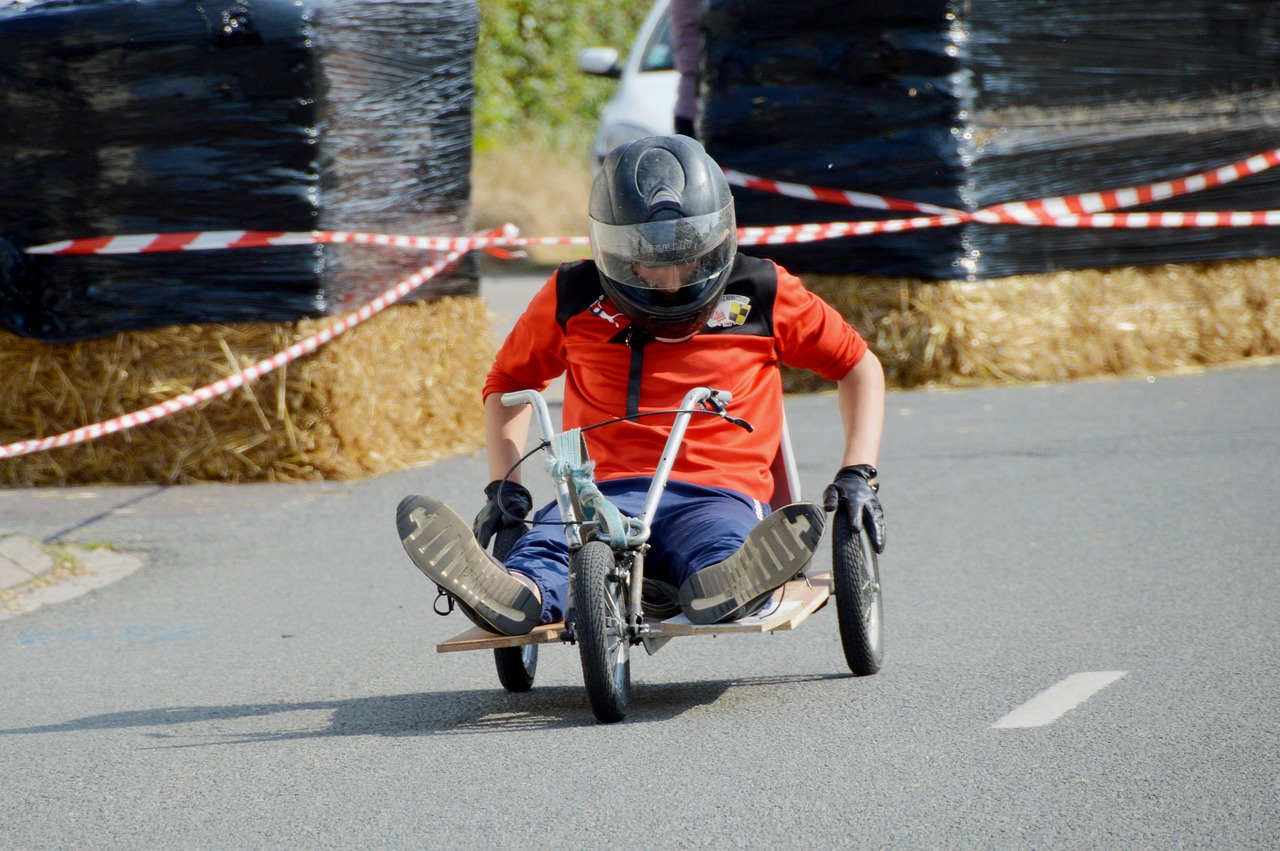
{"x": 439, "y": 713}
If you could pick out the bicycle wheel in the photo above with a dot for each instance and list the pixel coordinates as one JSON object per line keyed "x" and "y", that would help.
{"x": 600, "y": 596}
{"x": 858, "y": 607}
{"x": 516, "y": 665}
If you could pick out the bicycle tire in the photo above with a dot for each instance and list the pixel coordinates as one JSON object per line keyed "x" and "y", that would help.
{"x": 859, "y": 608}
{"x": 516, "y": 666}
{"x": 600, "y": 599}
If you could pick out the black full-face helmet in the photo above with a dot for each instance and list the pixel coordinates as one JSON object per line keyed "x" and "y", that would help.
{"x": 663, "y": 234}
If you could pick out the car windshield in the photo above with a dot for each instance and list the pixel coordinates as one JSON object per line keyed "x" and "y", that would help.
{"x": 658, "y": 53}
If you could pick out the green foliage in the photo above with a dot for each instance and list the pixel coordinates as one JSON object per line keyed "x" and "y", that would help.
{"x": 527, "y": 77}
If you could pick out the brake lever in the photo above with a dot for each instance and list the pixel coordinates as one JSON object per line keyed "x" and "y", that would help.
{"x": 717, "y": 406}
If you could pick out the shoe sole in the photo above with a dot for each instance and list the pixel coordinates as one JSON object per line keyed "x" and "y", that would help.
{"x": 442, "y": 545}
{"x": 775, "y": 551}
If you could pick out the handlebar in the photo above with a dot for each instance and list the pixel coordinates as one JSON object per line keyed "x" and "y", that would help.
{"x": 698, "y": 397}
{"x": 718, "y": 399}
{"x": 540, "y": 412}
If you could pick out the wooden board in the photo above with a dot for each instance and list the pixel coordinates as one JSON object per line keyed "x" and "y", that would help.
{"x": 481, "y": 639}
{"x": 800, "y": 598}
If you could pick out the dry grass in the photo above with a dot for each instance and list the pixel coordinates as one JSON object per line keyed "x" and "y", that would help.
{"x": 540, "y": 188}
{"x": 400, "y": 390}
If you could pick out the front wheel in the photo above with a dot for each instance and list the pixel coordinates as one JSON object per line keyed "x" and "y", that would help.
{"x": 858, "y": 607}
{"x": 600, "y": 597}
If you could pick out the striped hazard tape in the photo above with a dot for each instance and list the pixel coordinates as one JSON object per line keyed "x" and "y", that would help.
{"x": 1071, "y": 210}
{"x": 154, "y": 243}
{"x": 790, "y": 234}
{"x": 1048, "y": 211}
{"x": 831, "y": 196}
{"x": 1074, "y": 211}
{"x": 149, "y": 243}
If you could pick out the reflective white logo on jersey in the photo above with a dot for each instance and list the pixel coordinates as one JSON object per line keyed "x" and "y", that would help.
{"x": 732, "y": 310}
{"x": 597, "y": 309}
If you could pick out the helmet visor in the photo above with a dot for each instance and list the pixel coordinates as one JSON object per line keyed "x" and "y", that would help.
{"x": 666, "y": 262}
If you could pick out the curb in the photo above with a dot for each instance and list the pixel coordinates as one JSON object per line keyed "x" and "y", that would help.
{"x": 22, "y": 560}
{"x": 33, "y": 575}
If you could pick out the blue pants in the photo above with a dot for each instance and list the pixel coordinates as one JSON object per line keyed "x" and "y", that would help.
{"x": 694, "y": 527}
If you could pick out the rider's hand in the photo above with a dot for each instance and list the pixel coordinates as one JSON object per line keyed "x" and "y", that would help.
{"x": 854, "y": 493}
{"x": 509, "y": 503}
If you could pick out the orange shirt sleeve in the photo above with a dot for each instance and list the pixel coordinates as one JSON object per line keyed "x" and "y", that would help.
{"x": 533, "y": 353}
{"x": 812, "y": 334}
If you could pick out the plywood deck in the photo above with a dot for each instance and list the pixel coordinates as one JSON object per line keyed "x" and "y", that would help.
{"x": 800, "y": 598}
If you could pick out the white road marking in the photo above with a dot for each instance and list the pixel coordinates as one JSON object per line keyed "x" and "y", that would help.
{"x": 1057, "y": 700}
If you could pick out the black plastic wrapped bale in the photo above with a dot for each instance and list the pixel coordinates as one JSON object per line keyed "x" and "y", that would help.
{"x": 126, "y": 117}
{"x": 970, "y": 104}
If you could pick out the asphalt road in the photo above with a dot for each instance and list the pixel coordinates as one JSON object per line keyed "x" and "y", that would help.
{"x": 269, "y": 679}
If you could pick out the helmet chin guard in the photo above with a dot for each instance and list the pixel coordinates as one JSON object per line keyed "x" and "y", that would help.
{"x": 663, "y": 234}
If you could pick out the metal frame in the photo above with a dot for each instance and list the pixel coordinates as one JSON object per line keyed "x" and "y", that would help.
{"x": 638, "y": 533}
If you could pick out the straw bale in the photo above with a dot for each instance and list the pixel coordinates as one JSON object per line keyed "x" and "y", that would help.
{"x": 400, "y": 390}
{"x": 1060, "y": 326}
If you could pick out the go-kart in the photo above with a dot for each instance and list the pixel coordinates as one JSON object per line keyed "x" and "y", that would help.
{"x": 606, "y": 611}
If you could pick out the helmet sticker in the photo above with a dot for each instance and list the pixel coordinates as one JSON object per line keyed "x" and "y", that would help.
{"x": 731, "y": 311}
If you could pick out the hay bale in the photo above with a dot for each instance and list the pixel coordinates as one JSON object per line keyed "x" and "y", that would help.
{"x": 397, "y": 391}
{"x": 1060, "y": 326}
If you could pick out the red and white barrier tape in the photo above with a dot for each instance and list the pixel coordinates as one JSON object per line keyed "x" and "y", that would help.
{"x": 1049, "y": 210}
{"x": 1074, "y": 211}
{"x": 1255, "y": 218}
{"x": 1089, "y": 210}
{"x": 244, "y": 376}
{"x": 1092, "y": 210}
{"x": 790, "y": 234}
{"x": 1042, "y": 212}
{"x": 832, "y": 196}
{"x": 215, "y": 240}
{"x": 763, "y": 235}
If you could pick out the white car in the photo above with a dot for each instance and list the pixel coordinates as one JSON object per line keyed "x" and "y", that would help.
{"x": 645, "y": 102}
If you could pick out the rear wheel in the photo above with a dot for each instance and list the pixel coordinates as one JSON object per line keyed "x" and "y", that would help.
{"x": 858, "y": 607}
{"x": 600, "y": 595}
{"x": 516, "y": 665}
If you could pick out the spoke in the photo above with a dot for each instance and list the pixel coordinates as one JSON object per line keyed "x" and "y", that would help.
{"x": 616, "y": 620}
{"x": 615, "y": 613}
{"x": 618, "y": 663}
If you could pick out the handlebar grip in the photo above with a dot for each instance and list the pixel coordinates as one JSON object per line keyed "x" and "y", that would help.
{"x": 519, "y": 397}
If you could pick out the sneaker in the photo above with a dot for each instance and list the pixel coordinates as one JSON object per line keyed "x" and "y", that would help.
{"x": 659, "y": 600}
{"x": 443, "y": 547}
{"x": 775, "y": 550}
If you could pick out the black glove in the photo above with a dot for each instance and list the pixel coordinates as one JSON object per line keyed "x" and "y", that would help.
{"x": 854, "y": 492}
{"x": 509, "y": 503}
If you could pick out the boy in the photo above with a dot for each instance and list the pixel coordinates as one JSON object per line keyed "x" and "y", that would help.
{"x": 665, "y": 304}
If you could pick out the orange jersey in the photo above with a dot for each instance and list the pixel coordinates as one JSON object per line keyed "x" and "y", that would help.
{"x": 766, "y": 317}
